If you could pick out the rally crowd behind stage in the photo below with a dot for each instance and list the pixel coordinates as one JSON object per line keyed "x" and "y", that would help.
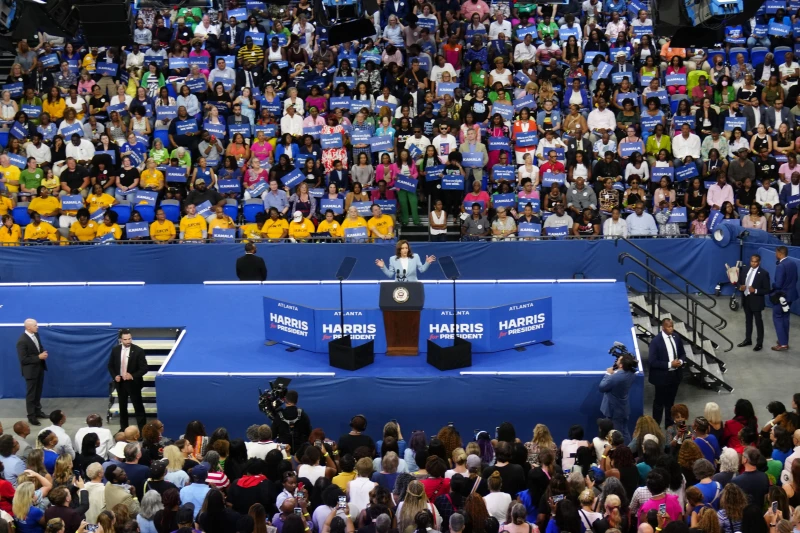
{"x": 510, "y": 120}
{"x": 703, "y": 474}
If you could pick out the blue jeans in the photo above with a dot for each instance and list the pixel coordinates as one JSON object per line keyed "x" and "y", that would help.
{"x": 758, "y": 41}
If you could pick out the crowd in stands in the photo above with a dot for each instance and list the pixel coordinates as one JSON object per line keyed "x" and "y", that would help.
{"x": 702, "y": 475}
{"x": 512, "y": 119}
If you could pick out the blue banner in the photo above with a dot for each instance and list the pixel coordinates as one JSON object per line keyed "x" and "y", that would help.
{"x": 182, "y": 127}
{"x": 49, "y": 60}
{"x": 196, "y": 85}
{"x": 504, "y": 172}
{"x": 779, "y": 30}
{"x": 362, "y": 325}
{"x": 316, "y": 192}
{"x": 528, "y": 101}
{"x": 548, "y": 178}
{"x": 349, "y": 81}
{"x": 224, "y": 234}
{"x": 676, "y": 80}
{"x": 603, "y": 71}
{"x": 145, "y": 197}
{"x": 217, "y": 130}
{"x": 434, "y": 173}
{"x": 16, "y": 89}
{"x": 504, "y": 200}
{"x": 735, "y": 122}
{"x": 473, "y": 325}
{"x": 293, "y": 178}
{"x": 529, "y": 229}
{"x": 105, "y": 239}
{"x": 760, "y": 30}
{"x": 392, "y": 107}
{"x": 33, "y": 111}
{"x": 289, "y": 323}
{"x": 527, "y": 139}
{"x": 337, "y": 206}
{"x": 18, "y": 131}
{"x": 529, "y": 30}
{"x": 244, "y": 129}
{"x": 588, "y": 57}
{"x": 106, "y": 69}
{"x": 358, "y": 234}
{"x": 240, "y": 13}
{"x": 176, "y": 175}
{"x": 656, "y": 173}
{"x": 680, "y": 120}
{"x": 342, "y": 102}
{"x": 98, "y": 215}
{"x": 685, "y": 172}
{"x": 522, "y": 323}
{"x": 71, "y": 202}
{"x": 535, "y": 204}
{"x": 330, "y": 140}
{"x": 558, "y": 232}
{"x": 270, "y": 130}
{"x": 649, "y": 123}
{"x": 678, "y": 215}
{"x": 119, "y": 108}
{"x": 380, "y": 144}
{"x": 282, "y": 39}
{"x": 443, "y": 88}
{"x": 793, "y": 201}
{"x": 406, "y": 183}
{"x": 639, "y": 31}
{"x": 258, "y": 189}
{"x": 472, "y": 159}
{"x": 68, "y": 129}
{"x": 504, "y": 110}
{"x": 521, "y": 78}
{"x": 178, "y": 62}
{"x": 452, "y": 182}
{"x": 137, "y": 229}
{"x": 314, "y": 131}
{"x": 19, "y": 161}
{"x": 387, "y": 206}
{"x": 414, "y": 151}
{"x": 200, "y": 61}
{"x": 258, "y": 38}
{"x": 617, "y": 78}
{"x": 364, "y": 208}
{"x": 626, "y": 149}
{"x": 230, "y": 185}
{"x": 167, "y": 112}
{"x": 203, "y": 209}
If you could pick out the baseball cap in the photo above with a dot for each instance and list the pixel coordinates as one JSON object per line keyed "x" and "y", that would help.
{"x": 199, "y": 473}
{"x": 198, "y": 181}
{"x": 473, "y": 461}
{"x": 297, "y": 216}
{"x": 185, "y": 514}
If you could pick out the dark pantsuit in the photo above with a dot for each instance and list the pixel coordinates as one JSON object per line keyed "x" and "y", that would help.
{"x": 749, "y": 316}
{"x": 781, "y": 321}
{"x": 663, "y": 402}
{"x": 33, "y": 394}
{"x": 128, "y": 390}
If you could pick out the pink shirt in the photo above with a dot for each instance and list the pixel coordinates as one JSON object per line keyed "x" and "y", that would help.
{"x": 470, "y": 7}
{"x": 534, "y": 194}
{"x": 673, "y": 507}
{"x": 747, "y": 222}
{"x": 261, "y": 151}
{"x": 482, "y": 196}
{"x": 719, "y": 195}
{"x": 251, "y": 178}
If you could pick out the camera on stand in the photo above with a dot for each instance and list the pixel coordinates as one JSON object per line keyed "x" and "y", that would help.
{"x": 270, "y": 402}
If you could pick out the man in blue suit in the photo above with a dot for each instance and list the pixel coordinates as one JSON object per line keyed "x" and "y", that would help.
{"x": 615, "y": 386}
{"x": 784, "y": 292}
{"x": 789, "y": 190}
{"x": 667, "y": 357}
{"x": 754, "y": 286}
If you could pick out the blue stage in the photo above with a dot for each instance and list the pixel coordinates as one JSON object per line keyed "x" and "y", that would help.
{"x": 221, "y": 359}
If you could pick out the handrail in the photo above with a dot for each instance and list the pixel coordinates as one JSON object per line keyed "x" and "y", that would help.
{"x": 699, "y": 319}
{"x": 688, "y": 283}
{"x": 722, "y": 324}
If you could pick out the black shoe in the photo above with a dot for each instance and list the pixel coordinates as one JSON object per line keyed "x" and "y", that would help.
{"x": 32, "y": 420}
{"x": 42, "y": 414}
{"x": 757, "y": 348}
{"x": 744, "y": 343}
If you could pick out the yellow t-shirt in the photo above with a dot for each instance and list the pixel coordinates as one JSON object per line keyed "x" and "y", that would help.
{"x": 6, "y": 205}
{"x": 251, "y": 231}
{"x": 9, "y": 237}
{"x": 334, "y": 228}
{"x": 384, "y": 224}
{"x": 56, "y": 110}
{"x": 101, "y": 201}
{"x": 113, "y": 228}
{"x": 348, "y": 223}
{"x": 193, "y": 228}
{"x": 89, "y": 63}
{"x": 162, "y": 231}
{"x": 301, "y": 230}
{"x": 41, "y": 232}
{"x": 88, "y": 233}
{"x": 275, "y": 228}
{"x": 152, "y": 178}
{"x": 222, "y": 223}
{"x": 44, "y": 206}
{"x": 344, "y": 478}
{"x": 11, "y": 173}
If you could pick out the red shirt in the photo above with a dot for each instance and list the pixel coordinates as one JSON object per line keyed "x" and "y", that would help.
{"x": 436, "y": 487}
{"x": 6, "y": 495}
{"x": 555, "y": 168}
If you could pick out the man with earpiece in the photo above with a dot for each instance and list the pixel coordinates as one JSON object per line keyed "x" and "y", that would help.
{"x": 291, "y": 424}
{"x": 350, "y": 442}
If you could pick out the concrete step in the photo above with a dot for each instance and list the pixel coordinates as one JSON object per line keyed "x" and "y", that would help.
{"x": 155, "y": 344}
{"x": 150, "y": 376}
{"x": 155, "y": 360}
{"x": 147, "y": 392}
{"x": 644, "y": 322}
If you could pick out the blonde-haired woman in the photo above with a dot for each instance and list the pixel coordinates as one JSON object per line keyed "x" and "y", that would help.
{"x": 459, "y": 458}
{"x": 35, "y": 463}
{"x": 175, "y": 472}
{"x": 62, "y": 474}
{"x": 106, "y": 520}
{"x": 541, "y": 440}
{"x": 713, "y": 414}
{"x": 27, "y": 517}
{"x": 415, "y": 501}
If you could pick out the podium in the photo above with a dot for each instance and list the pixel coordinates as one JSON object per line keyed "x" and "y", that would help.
{"x": 402, "y": 304}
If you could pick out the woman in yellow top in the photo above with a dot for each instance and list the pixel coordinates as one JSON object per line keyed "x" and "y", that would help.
{"x": 356, "y": 195}
{"x": 221, "y": 221}
{"x": 99, "y": 199}
{"x": 51, "y": 181}
{"x": 39, "y": 231}
{"x": 352, "y": 220}
{"x": 151, "y": 178}
{"x": 330, "y": 225}
{"x": 255, "y": 231}
{"x": 6, "y": 204}
{"x": 9, "y": 232}
{"x": 162, "y": 230}
{"x": 300, "y": 227}
{"x": 110, "y": 225}
{"x": 44, "y": 204}
{"x": 276, "y": 227}
{"x": 54, "y": 104}
{"x": 85, "y": 229}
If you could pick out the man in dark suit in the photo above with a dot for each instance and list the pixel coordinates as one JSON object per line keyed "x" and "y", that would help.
{"x": 754, "y": 285}
{"x": 784, "y": 292}
{"x": 33, "y": 363}
{"x": 667, "y": 357}
{"x": 250, "y": 267}
{"x": 127, "y": 366}
{"x": 615, "y": 386}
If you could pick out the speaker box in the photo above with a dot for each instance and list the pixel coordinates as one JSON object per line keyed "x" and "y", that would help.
{"x": 459, "y": 355}
{"x": 350, "y": 31}
{"x": 342, "y": 354}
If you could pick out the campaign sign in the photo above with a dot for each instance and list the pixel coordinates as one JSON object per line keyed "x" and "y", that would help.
{"x": 529, "y": 30}
{"x": 363, "y": 325}
{"x": 338, "y": 102}
{"x": 434, "y": 173}
{"x": 243, "y": 129}
{"x": 527, "y": 138}
{"x": 387, "y": 206}
{"x": 528, "y": 101}
{"x": 504, "y": 110}
{"x": 639, "y": 31}
{"x": 178, "y": 62}
{"x": 33, "y": 111}
{"x": 443, "y": 88}
{"x": 678, "y": 215}
{"x": 360, "y": 137}
{"x": 19, "y": 131}
{"x": 414, "y": 151}
{"x": 535, "y": 204}
{"x": 107, "y": 69}
{"x": 627, "y": 149}
{"x": 548, "y": 178}
{"x": 680, "y": 120}
{"x": 293, "y": 178}
{"x": 452, "y": 182}
{"x": 662, "y": 96}
{"x": 793, "y": 201}
{"x": 364, "y": 208}
{"x": 779, "y": 30}
{"x": 406, "y": 183}
{"x": 760, "y": 30}
{"x": 196, "y": 85}
{"x": 17, "y": 160}
{"x": 71, "y": 202}
{"x": 588, "y": 57}
{"x": 529, "y": 229}
{"x": 176, "y": 175}
{"x": 201, "y": 61}
{"x": 282, "y": 40}
{"x": 144, "y": 197}
{"x": 137, "y": 229}
{"x": 49, "y": 61}
{"x": 472, "y": 159}
{"x": 674, "y": 80}
{"x": 437, "y": 325}
{"x": 73, "y": 65}
{"x": 270, "y": 130}
{"x": 98, "y": 215}
{"x": 289, "y": 323}
{"x": 314, "y": 131}
{"x": 119, "y": 108}
{"x": 685, "y": 172}
{"x": 316, "y": 192}
{"x": 204, "y": 209}
{"x": 714, "y": 219}
{"x": 240, "y": 13}
{"x": 224, "y": 234}
{"x": 358, "y": 234}
{"x": 735, "y": 122}
{"x": 472, "y": 32}
{"x": 337, "y": 206}
{"x": 105, "y": 239}
{"x": 772, "y": 6}
{"x": 429, "y": 23}
{"x": 504, "y": 200}
{"x": 392, "y": 107}
{"x": 504, "y": 172}
{"x": 226, "y": 186}
{"x": 603, "y": 71}
{"x": 617, "y": 78}
{"x": 520, "y": 324}
{"x": 656, "y": 173}
{"x": 349, "y": 81}
{"x": 566, "y": 33}
{"x": 183, "y": 127}
{"x": 15, "y": 89}
{"x": 166, "y": 112}
{"x": 649, "y": 123}
{"x": 330, "y": 140}
{"x": 521, "y": 78}
{"x": 380, "y": 144}
{"x": 559, "y": 232}
{"x": 258, "y": 38}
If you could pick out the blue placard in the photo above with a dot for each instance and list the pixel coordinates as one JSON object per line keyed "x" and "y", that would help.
{"x": 588, "y": 57}
{"x": 504, "y": 110}
{"x": 358, "y": 234}
{"x": 196, "y": 85}
{"x": 73, "y": 64}
{"x": 68, "y": 129}
{"x": 166, "y": 112}
{"x": 426, "y": 23}
{"x": 685, "y": 172}
{"x": 662, "y": 96}
{"x": 522, "y": 202}
{"x": 182, "y": 127}
{"x": 649, "y": 123}
{"x": 522, "y": 102}
{"x": 735, "y": 122}
{"x": 387, "y": 206}
{"x": 16, "y": 89}
{"x": 406, "y": 183}
{"x": 504, "y": 200}
{"x": 229, "y": 60}
{"x": 472, "y": 32}
{"x": 203, "y": 209}
{"x": 106, "y": 69}
{"x": 223, "y": 234}
{"x": 472, "y": 159}
{"x": 360, "y": 137}
{"x": 18, "y": 131}
{"x": 558, "y": 232}
{"x": 468, "y": 205}
{"x": 678, "y": 215}
{"x": 656, "y": 173}
{"x": 258, "y": 38}
{"x": 244, "y": 129}
{"x": 603, "y": 71}
{"x": 793, "y": 201}
{"x": 521, "y": 323}
{"x": 349, "y": 81}
{"x": 443, "y": 88}
{"x": 680, "y": 120}
{"x": 119, "y": 108}
{"x": 338, "y": 102}
{"x": 452, "y": 182}
{"x": 529, "y": 229}
{"x": 240, "y": 13}
{"x": 626, "y": 149}
{"x": 772, "y": 6}
{"x": 330, "y": 140}
{"x": 293, "y": 178}
{"x": 779, "y": 30}
{"x": 760, "y": 30}
{"x": 145, "y": 197}
{"x": 314, "y": 131}
{"x": 414, "y": 151}
{"x": 617, "y": 78}
{"x": 289, "y": 323}
{"x": 392, "y": 107}
{"x": 316, "y": 192}
{"x": 380, "y": 144}
{"x": 19, "y": 161}
{"x": 230, "y": 185}
{"x": 734, "y": 35}
{"x": 270, "y": 130}
{"x": 548, "y": 178}
{"x": 258, "y": 189}
{"x": 434, "y": 173}
{"x": 527, "y": 138}
{"x": 111, "y": 153}
{"x": 521, "y": 78}
{"x": 49, "y": 60}
{"x": 504, "y": 172}
{"x": 98, "y": 215}
{"x": 364, "y": 208}
{"x": 282, "y": 39}
{"x": 639, "y": 31}
{"x": 674, "y": 80}
{"x": 176, "y": 175}
{"x": 215, "y": 129}
{"x": 529, "y": 30}
{"x": 566, "y": 33}
{"x": 337, "y": 205}
{"x": 178, "y": 62}
{"x": 106, "y": 238}
{"x": 71, "y": 202}
{"x": 499, "y": 143}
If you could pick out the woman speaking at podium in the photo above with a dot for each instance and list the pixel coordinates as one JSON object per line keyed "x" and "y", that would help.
{"x": 404, "y": 265}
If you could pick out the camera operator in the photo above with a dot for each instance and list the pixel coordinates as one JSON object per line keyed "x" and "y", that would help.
{"x": 291, "y": 423}
{"x": 615, "y": 386}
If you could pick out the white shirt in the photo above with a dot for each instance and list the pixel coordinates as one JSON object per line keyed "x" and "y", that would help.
{"x": 767, "y": 196}
{"x": 615, "y": 229}
{"x": 444, "y": 144}
{"x": 681, "y": 147}
{"x": 134, "y": 60}
{"x": 671, "y": 348}
{"x": 602, "y": 120}
{"x": 64, "y": 444}
{"x": 124, "y": 357}
{"x": 34, "y": 339}
{"x": 524, "y": 52}
{"x": 259, "y": 450}
{"x": 496, "y": 28}
{"x": 292, "y": 125}
{"x": 497, "y": 504}
{"x": 41, "y": 154}
{"x": 103, "y": 434}
{"x": 83, "y": 152}
{"x": 757, "y": 115}
{"x": 436, "y": 72}
{"x": 749, "y": 279}
{"x": 201, "y": 30}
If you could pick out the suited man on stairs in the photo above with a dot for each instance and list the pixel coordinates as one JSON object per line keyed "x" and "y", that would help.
{"x": 754, "y": 286}
{"x": 33, "y": 363}
{"x": 667, "y": 357}
{"x": 127, "y": 366}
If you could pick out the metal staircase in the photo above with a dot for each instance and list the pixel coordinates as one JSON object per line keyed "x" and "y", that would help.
{"x": 691, "y": 310}
{"x": 157, "y": 344}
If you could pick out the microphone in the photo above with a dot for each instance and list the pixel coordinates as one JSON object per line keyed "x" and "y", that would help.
{"x": 403, "y": 275}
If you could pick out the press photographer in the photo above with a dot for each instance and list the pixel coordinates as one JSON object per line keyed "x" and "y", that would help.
{"x": 290, "y": 424}
{"x": 615, "y": 386}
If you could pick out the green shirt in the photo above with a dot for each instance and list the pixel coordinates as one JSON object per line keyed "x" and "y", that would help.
{"x": 185, "y": 162}
{"x": 31, "y": 180}
{"x": 549, "y": 30}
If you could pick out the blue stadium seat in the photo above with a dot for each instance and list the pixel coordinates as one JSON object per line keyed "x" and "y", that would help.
{"x": 148, "y": 212}
{"x": 172, "y": 210}
{"x": 674, "y": 100}
{"x": 20, "y": 214}
{"x": 757, "y": 55}
{"x": 123, "y": 211}
{"x": 713, "y": 53}
{"x": 163, "y": 135}
{"x": 779, "y": 52}
{"x": 251, "y": 208}
{"x": 231, "y": 208}
{"x": 736, "y": 51}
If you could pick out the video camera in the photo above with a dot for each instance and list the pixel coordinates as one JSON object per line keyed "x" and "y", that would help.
{"x": 618, "y": 350}
{"x": 269, "y": 402}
